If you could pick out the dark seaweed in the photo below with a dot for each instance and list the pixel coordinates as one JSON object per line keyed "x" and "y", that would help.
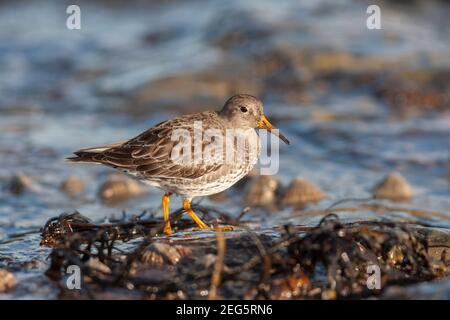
{"x": 328, "y": 261}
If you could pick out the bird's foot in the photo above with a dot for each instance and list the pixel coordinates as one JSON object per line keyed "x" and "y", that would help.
{"x": 167, "y": 229}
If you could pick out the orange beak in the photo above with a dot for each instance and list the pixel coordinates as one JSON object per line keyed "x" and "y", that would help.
{"x": 265, "y": 124}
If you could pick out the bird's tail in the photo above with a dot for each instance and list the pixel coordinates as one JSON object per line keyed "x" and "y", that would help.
{"x": 91, "y": 155}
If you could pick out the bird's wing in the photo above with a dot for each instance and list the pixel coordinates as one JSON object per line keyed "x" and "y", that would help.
{"x": 149, "y": 154}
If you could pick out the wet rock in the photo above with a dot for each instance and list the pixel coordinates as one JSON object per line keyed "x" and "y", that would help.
{"x": 20, "y": 183}
{"x": 158, "y": 254}
{"x": 32, "y": 264}
{"x": 7, "y": 280}
{"x": 262, "y": 191}
{"x": 292, "y": 74}
{"x": 282, "y": 73}
{"x": 73, "y": 186}
{"x": 301, "y": 192}
{"x": 333, "y": 61}
{"x": 157, "y": 37}
{"x": 242, "y": 32}
{"x": 195, "y": 91}
{"x": 244, "y": 182}
{"x": 159, "y": 95}
{"x": 218, "y": 197}
{"x": 412, "y": 90}
{"x": 393, "y": 187}
{"x": 119, "y": 188}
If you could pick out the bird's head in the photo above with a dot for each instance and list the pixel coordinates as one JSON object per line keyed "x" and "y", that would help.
{"x": 246, "y": 111}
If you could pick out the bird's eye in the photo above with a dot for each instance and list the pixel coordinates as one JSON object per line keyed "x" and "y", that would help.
{"x": 244, "y": 109}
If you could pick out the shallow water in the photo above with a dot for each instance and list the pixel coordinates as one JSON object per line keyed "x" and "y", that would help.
{"x": 62, "y": 90}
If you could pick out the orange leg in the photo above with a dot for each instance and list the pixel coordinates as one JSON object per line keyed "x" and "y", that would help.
{"x": 165, "y": 204}
{"x": 198, "y": 221}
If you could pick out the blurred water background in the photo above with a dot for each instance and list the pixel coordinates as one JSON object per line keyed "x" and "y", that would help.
{"x": 355, "y": 103}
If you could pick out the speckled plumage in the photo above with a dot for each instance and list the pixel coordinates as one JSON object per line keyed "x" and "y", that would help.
{"x": 148, "y": 157}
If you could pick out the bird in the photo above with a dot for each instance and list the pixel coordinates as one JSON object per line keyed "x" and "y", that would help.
{"x": 150, "y": 156}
